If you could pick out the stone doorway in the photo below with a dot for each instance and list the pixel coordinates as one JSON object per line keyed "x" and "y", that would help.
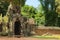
{"x": 17, "y": 27}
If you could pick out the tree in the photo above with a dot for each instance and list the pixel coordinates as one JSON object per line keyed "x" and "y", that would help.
{"x": 3, "y": 8}
{"x": 40, "y": 16}
{"x": 31, "y": 12}
{"x": 58, "y": 11}
{"x": 16, "y": 4}
{"x": 28, "y": 11}
{"x": 49, "y": 8}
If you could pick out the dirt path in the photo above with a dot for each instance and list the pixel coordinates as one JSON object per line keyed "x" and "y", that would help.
{"x": 23, "y": 38}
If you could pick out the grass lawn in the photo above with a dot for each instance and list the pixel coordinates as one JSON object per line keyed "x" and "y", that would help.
{"x": 48, "y": 36}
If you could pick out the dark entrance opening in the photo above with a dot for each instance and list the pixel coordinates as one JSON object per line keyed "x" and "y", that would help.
{"x": 17, "y": 27}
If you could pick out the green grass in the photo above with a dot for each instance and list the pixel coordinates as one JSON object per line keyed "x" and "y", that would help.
{"x": 50, "y": 37}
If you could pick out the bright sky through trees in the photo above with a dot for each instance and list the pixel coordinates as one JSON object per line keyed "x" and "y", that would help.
{"x": 33, "y": 3}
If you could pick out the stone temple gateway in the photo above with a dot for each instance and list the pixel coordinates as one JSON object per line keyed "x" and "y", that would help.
{"x": 19, "y": 24}
{"x": 15, "y": 20}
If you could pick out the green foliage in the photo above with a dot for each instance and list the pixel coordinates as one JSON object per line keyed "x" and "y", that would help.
{"x": 22, "y": 2}
{"x": 40, "y": 16}
{"x": 3, "y": 7}
{"x": 50, "y": 12}
{"x": 58, "y": 23}
{"x": 16, "y": 2}
{"x": 37, "y": 14}
{"x": 28, "y": 11}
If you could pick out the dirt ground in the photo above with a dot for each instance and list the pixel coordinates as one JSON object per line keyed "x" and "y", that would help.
{"x": 24, "y": 38}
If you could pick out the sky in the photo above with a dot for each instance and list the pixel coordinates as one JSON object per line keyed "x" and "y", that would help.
{"x": 34, "y": 3}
